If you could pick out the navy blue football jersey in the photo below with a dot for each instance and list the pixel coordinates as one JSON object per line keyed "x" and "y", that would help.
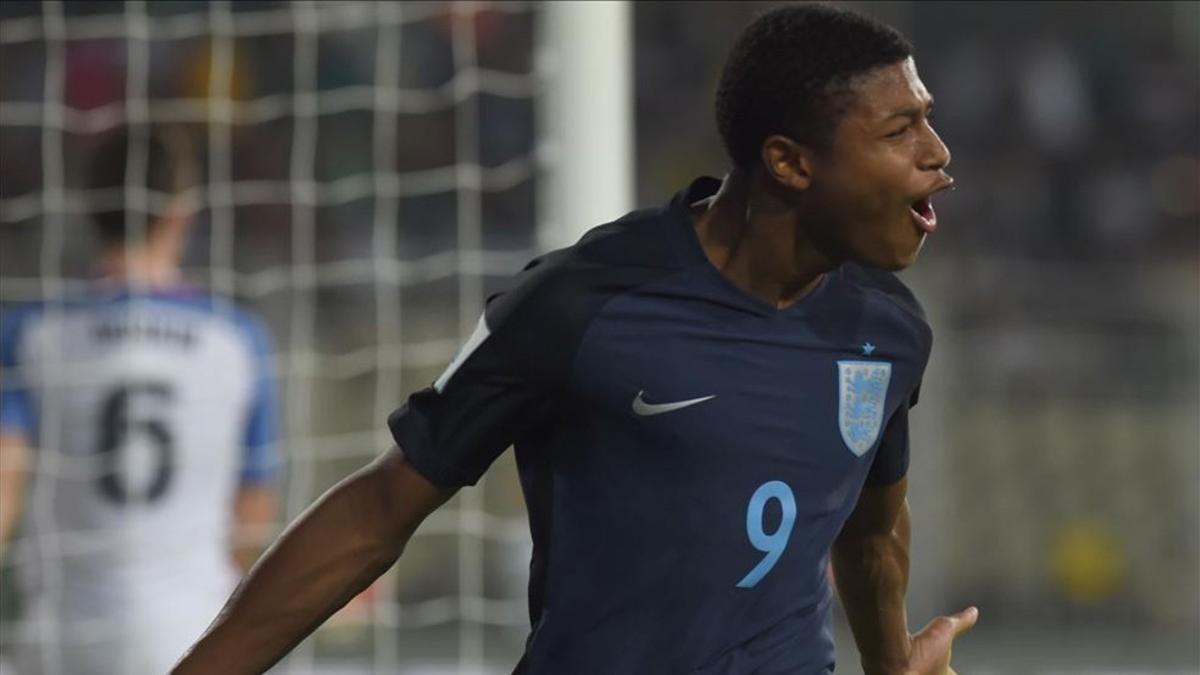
{"x": 688, "y": 452}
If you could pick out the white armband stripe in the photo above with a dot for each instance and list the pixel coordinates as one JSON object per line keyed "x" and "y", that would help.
{"x": 481, "y": 333}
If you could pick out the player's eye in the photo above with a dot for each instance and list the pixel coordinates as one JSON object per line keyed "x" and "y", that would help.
{"x": 898, "y": 133}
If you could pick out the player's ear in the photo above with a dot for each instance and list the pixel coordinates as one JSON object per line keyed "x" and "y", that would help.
{"x": 787, "y": 162}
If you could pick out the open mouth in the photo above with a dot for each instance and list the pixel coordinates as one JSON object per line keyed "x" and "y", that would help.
{"x": 923, "y": 214}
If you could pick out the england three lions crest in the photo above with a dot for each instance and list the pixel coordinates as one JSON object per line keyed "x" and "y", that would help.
{"x": 862, "y": 390}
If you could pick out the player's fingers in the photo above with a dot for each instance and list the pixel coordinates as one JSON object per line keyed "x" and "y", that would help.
{"x": 964, "y": 620}
{"x": 946, "y": 628}
{"x": 941, "y": 629}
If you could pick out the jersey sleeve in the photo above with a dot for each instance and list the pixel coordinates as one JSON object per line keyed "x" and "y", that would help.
{"x": 891, "y": 458}
{"x": 16, "y": 407}
{"x": 510, "y": 380}
{"x": 260, "y": 443}
{"x": 453, "y": 431}
{"x": 501, "y": 385}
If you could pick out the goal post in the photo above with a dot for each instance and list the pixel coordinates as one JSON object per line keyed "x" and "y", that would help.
{"x": 586, "y": 118}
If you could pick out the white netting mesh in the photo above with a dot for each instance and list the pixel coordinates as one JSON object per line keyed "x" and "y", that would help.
{"x": 369, "y": 176}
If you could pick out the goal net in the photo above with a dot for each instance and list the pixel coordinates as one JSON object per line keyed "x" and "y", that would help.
{"x": 371, "y": 174}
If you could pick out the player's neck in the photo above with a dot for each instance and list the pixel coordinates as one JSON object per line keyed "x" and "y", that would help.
{"x": 140, "y": 267}
{"x": 752, "y": 238}
{"x": 154, "y": 262}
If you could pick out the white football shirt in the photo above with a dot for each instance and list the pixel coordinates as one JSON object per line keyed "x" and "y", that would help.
{"x": 145, "y": 412}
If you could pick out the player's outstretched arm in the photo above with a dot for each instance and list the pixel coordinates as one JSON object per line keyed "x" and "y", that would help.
{"x": 334, "y": 550}
{"x": 870, "y": 561}
{"x": 254, "y": 509}
{"x": 14, "y": 456}
{"x": 870, "y": 568}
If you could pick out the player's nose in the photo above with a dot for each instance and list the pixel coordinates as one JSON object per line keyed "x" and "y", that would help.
{"x": 935, "y": 155}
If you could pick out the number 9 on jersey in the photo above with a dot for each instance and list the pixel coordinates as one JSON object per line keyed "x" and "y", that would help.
{"x": 774, "y": 543}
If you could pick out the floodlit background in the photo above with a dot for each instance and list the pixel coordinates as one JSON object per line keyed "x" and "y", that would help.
{"x": 375, "y": 170}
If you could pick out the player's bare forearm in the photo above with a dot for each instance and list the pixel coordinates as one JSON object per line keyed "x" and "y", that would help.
{"x": 14, "y": 456}
{"x": 254, "y": 511}
{"x": 870, "y": 561}
{"x": 332, "y": 552}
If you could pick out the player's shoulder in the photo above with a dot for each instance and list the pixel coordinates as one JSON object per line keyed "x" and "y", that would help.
{"x": 19, "y": 324}
{"x": 14, "y": 327}
{"x": 635, "y": 241}
{"x": 201, "y": 303}
{"x": 543, "y": 315}
{"x": 886, "y": 285}
{"x": 15, "y": 316}
{"x": 606, "y": 261}
{"x": 888, "y": 291}
{"x": 640, "y": 239}
{"x": 245, "y": 322}
{"x": 213, "y": 310}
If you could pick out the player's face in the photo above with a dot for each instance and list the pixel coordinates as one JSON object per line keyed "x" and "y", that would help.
{"x": 872, "y": 191}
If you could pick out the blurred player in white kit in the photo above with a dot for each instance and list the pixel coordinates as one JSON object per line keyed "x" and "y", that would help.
{"x": 137, "y": 439}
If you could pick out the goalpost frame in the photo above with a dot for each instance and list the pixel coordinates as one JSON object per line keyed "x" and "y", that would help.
{"x": 585, "y": 118}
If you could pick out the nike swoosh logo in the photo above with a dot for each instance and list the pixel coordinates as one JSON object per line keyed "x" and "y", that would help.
{"x": 644, "y": 409}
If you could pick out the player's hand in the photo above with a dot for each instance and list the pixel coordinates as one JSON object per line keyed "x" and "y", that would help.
{"x": 930, "y": 653}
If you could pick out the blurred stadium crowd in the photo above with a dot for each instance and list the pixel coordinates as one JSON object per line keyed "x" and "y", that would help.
{"x": 1058, "y": 445}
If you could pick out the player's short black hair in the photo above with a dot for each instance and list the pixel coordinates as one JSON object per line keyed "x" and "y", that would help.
{"x": 170, "y": 170}
{"x": 789, "y": 71}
